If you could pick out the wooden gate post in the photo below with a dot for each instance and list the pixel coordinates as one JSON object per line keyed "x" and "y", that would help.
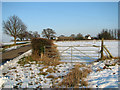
{"x": 102, "y": 43}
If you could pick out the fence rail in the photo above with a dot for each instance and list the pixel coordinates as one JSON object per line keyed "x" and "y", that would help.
{"x": 73, "y": 53}
{"x": 78, "y": 52}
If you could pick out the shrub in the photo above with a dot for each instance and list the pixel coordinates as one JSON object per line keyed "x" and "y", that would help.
{"x": 44, "y": 46}
{"x": 39, "y": 43}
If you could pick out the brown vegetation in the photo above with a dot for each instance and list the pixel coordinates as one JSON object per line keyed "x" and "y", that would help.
{"x": 44, "y": 50}
{"x": 50, "y": 70}
{"x": 75, "y": 77}
{"x": 50, "y": 76}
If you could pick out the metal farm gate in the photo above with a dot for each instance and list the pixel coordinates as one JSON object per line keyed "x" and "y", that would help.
{"x": 83, "y": 54}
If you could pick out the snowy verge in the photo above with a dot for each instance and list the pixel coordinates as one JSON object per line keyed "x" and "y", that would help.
{"x": 4, "y": 68}
{"x": 103, "y": 76}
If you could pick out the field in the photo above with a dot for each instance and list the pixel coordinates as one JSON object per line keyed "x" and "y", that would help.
{"x": 33, "y": 74}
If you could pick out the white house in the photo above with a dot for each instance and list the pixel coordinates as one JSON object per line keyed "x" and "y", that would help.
{"x": 88, "y": 37}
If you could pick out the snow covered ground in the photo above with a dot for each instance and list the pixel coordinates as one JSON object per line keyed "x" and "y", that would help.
{"x": 102, "y": 76}
{"x": 28, "y": 76}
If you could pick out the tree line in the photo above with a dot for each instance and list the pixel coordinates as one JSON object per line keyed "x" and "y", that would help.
{"x": 18, "y": 30}
{"x": 15, "y": 28}
{"x": 111, "y": 34}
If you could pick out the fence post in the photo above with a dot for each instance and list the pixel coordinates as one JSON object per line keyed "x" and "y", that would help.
{"x": 102, "y": 43}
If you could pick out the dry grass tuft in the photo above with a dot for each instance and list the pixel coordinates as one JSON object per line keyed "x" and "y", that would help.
{"x": 50, "y": 70}
{"x": 84, "y": 83}
{"x": 42, "y": 73}
{"x": 80, "y": 65}
{"x": 43, "y": 68}
{"x": 50, "y": 76}
{"x": 13, "y": 68}
{"x": 98, "y": 69}
{"x": 49, "y": 61}
{"x": 72, "y": 79}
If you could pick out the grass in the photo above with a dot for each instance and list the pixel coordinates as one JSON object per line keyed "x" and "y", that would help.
{"x": 50, "y": 62}
{"x": 50, "y": 70}
{"x": 17, "y": 79}
{"x": 50, "y": 76}
{"x": 13, "y": 68}
{"x": 43, "y": 68}
{"x": 75, "y": 77}
{"x": 30, "y": 83}
{"x": 25, "y": 60}
{"x": 46, "y": 61}
{"x": 4, "y": 74}
{"x": 43, "y": 73}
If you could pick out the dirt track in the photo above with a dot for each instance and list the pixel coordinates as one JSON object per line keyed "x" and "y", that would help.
{"x": 13, "y": 53}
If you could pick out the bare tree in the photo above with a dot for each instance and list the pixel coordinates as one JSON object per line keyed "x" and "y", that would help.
{"x": 79, "y": 36}
{"x": 13, "y": 26}
{"x": 28, "y": 35}
{"x": 35, "y": 34}
{"x": 48, "y": 33}
{"x": 22, "y": 33}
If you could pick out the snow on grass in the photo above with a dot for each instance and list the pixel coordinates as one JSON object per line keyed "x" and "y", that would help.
{"x": 30, "y": 76}
{"x": 5, "y": 68}
{"x": 33, "y": 75}
{"x": 103, "y": 76}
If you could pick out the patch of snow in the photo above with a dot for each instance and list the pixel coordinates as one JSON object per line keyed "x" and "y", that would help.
{"x": 105, "y": 78}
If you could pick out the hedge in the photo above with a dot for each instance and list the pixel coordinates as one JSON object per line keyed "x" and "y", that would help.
{"x": 45, "y": 46}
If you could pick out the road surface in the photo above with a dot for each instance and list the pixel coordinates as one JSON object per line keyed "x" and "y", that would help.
{"x": 9, "y": 55}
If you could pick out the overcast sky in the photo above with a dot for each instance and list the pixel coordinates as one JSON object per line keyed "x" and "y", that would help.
{"x": 65, "y": 18}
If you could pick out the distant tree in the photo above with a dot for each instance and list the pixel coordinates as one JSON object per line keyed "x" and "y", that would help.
{"x": 118, "y": 34}
{"x": 28, "y": 35}
{"x": 48, "y": 33}
{"x": 62, "y": 36}
{"x": 105, "y": 34}
{"x": 21, "y": 35}
{"x": 35, "y": 34}
{"x": 79, "y": 36}
{"x": 72, "y": 35}
{"x": 115, "y": 33}
{"x": 13, "y": 26}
